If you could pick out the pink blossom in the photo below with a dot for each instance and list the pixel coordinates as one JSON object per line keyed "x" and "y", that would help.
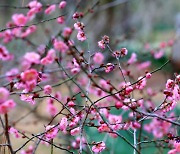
{"x": 28, "y": 31}
{"x": 47, "y": 89}
{"x": 61, "y": 20}
{"x": 14, "y": 131}
{"x": 28, "y": 151}
{"x": 63, "y": 124}
{"x": 79, "y": 26}
{"x": 4, "y": 94}
{"x": 103, "y": 128}
{"x": 148, "y": 75}
{"x": 49, "y": 59}
{"x": 12, "y": 74}
{"x": 60, "y": 46}
{"x": 35, "y": 7}
{"x": 28, "y": 98}
{"x": 98, "y": 58}
{"x": 81, "y": 36}
{"x": 51, "y": 132}
{"x": 170, "y": 84}
{"x": 115, "y": 121}
{"x": 35, "y": 4}
{"x": 62, "y": 4}
{"x": 6, "y": 106}
{"x": 4, "y": 54}
{"x": 67, "y": 31}
{"x": 109, "y": 67}
{"x": 32, "y": 57}
{"x": 52, "y": 110}
{"x": 98, "y": 147}
{"x": 123, "y": 52}
{"x": 75, "y": 131}
{"x": 29, "y": 75}
{"x": 144, "y": 65}
{"x": 102, "y": 44}
{"x": 50, "y": 9}
{"x": 141, "y": 84}
{"x": 71, "y": 104}
{"x": 118, "y": 104}
{"x": 159, "y": 54}
{"x": 19, "y": 19}
{"x": 132, "y": 59}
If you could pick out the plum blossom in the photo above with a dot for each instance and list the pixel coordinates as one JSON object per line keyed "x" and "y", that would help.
{"x": 14, "y": 131}
{"x": 28, "y": 151}
{"x": 75, "y": 131}
{"x": 50, "y": 57}
{"x": 98, "y": 58}
{"x": 19, "y": 19}
{"x": 63, "y": 124}
{"x": 81, "y": 36}
{"x": 132, "y": 59}
{"x": 50, "y": 9}
{"x": 47, "y": 89}
{"x": 4, "y": 53}
{"x": 61, "y": 20}
{"x": 98, "y": 147}
{"x": 51, "y": 132}
{"x": 4, "y": 94}
{"x": 32, "y": 57}
{"x": 62, "y": 4}
{"x": 6, "y": 106}
{"x": 60, "y": 46}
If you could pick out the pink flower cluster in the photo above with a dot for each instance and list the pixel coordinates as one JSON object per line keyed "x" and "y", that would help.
{"x": 5, "y": 104}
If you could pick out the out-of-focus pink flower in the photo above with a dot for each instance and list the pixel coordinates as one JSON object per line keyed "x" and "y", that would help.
{"x": 132, "y": 59}
{"x": 63, "y": 124}
{"x": 50, "y": 9}
{"x": 12, "y": 74}
{"x": 159, "y": 54}
{"x": 47, "y": 89}
{"x": 6, "y": 106}
{"x": 52, "y": 110}
{"x": 14, "y": 131}
{"x": 98, "y": 58}
{"x": 4, "y": 94}
{"x": 60, "y": 46}
{"x": 61, "y": 20}
{"x": 99, "y": 147}
{"x": 144, "y": 65}
{"x": 81, "y": 36}
{"x": 28, "y": 31}
{"x": 75, "y": 131}
{"x": 67, "y": 31}
{"x": 28, "y": 151}
{"x": 35, "y": 4}
{"x": 19, "y": 19}
{"x": 62, "y": 4}
{"x": 49, "y": 59}
{"x": 32, "y": 57}
{"x": 4, "y": 54}
{"x": 51, "y": 132}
